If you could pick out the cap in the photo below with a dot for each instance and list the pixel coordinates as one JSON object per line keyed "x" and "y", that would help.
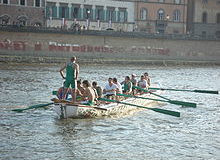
{"x": 134, "y": 75}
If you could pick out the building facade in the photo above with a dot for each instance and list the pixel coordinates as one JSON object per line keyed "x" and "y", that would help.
{"x": 91, "y": 14}
{"x": 204, "y": 19}
{"x": 22, "y": 12}
{"x": 161, "y": 16}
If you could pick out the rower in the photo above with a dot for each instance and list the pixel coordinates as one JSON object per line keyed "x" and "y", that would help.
{"x": 147, "y": 78}
{"x": 119, "y": 88}
{"x": 110, "y": 89}
{"x": 142, "y": 83}
{"x": 61, "y": 92}
{"x": 97, "y": 88}
{"x": 127, "y": 85}
{"x": 89, "y": 94}
{"x": 134, "y": 83}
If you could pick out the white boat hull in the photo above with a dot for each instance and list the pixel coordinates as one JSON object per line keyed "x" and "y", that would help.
{"x": 71, "y": 111}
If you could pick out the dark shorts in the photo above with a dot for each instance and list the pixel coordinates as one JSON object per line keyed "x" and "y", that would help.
{"x": 72, "y": 83}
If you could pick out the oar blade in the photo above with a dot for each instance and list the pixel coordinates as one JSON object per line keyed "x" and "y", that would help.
{"x": 164, "y": 111}
{"x": 188, "y": 104}
{"x": 206, "y": 91}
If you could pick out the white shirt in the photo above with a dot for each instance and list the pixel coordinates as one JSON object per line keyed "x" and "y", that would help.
{"x": 119, "y": 87}
{"x": 108, "y": 87}
{"x": 142, "y": 84}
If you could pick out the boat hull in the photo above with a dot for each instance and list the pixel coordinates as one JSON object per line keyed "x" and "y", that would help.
{"x": 79, "y": 111}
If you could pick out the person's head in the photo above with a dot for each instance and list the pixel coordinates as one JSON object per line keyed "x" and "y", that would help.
{"x": 145, "y": 74}
{"x": 79, "y": 82}
{"x": 94, "y": 84}
{"x": 115, "y": 80}
{"x": 73, "y": 59}
{"x": 127, "y": 78}
{"x": 86, "y": 83}
{"x": 110, "y": 80}
{"x": 142, "y": 77}
{"x": 133, "y": 76}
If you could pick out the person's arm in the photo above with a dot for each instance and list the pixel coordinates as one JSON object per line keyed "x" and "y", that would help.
{"x": 61, "y": 71}
{"x": 77, "y": 71}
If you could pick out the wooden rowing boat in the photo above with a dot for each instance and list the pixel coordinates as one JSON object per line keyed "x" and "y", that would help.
{"x": 66, "y": 109}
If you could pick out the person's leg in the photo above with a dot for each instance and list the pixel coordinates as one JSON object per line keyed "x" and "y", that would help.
{"x": 74, "y": 89}
{"x": 66, "y": 86}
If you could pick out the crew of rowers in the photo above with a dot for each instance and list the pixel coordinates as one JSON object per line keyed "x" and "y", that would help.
{"x": 88, "y": 94}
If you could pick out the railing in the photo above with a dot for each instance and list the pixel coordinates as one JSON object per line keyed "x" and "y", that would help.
{"x": 15, "y": 28}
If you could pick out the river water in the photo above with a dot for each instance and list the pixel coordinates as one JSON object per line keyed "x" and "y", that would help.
{"x": 39, "y": 134}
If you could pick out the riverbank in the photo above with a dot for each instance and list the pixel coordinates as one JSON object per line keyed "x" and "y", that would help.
{"x": 28, "y": 60}
{"x": 106, "y": 48}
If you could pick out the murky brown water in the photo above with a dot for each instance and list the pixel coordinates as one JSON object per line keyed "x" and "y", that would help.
{"x": 39, "y": 134}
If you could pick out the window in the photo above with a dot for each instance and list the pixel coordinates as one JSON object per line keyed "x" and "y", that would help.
{"x": 99, "y": 14}
{"x": 204, "y": 17}
{"x": 37, "y": 3}
{"x": 143, "y": 14}
{"x": 88, "y": 13}
{"x": 203, "y": 34}
{"x": 63, "y": 12}
{"x": 111, "y": 14}
{"x": 217, "y": 34}
{"x": 75, "y": 12}
{"x": 5, "y": 1}
{"x": 160, "y": 14}
{"x": 22, "y": 2}
{"x": 176, "y": 16}
{"x": 218, "y": 18}
{"x": 177, "y": 1}
{"x": 204, "y": 1}
{"x": 4, "y": 19}
{"x": 161, "y": 1}
{"x": 122, "y": 16}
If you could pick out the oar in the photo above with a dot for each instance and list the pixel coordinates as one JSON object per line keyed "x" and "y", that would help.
{"x": 187, "y": 90}
{"x": 160, "y": 100}
{"x": 32, "y": 107}
{"x": 164, "y": 111}
{"x": 182, "y": 103}
{"x": 145, "y": 90}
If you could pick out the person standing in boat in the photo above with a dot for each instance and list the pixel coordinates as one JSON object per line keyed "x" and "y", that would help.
{"x": 110, "y": 89}
{"x": 127, "y": 85}
{"x": 72, "y": 73}
{"x": 89, "y": 94}
{"x": 97, "y": 88}
{"x": 147, "y": 78}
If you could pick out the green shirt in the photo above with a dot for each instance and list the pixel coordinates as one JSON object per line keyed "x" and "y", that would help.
{"x": 128, "y": 86}
{"x": 70, "y": 71}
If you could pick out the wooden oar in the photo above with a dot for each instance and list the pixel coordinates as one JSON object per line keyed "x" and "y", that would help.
{"x": 32, "y": 107}
{"x": 187, "y": 90}
{"x": 182, "y": 103}
{"x": 160, "y": 100}
{"x": 164, "y": 111}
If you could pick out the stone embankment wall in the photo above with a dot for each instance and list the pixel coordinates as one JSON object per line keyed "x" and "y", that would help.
{"x": 57, "y": 47}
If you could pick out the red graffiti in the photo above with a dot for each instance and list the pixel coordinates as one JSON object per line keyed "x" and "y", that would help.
{"x": 15, "y": 45}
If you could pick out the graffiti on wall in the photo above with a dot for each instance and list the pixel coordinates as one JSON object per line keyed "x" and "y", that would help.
{"x": 65, "y": 47}
{"x": 77, "y": 48}
{"x": 13, "y": 45}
